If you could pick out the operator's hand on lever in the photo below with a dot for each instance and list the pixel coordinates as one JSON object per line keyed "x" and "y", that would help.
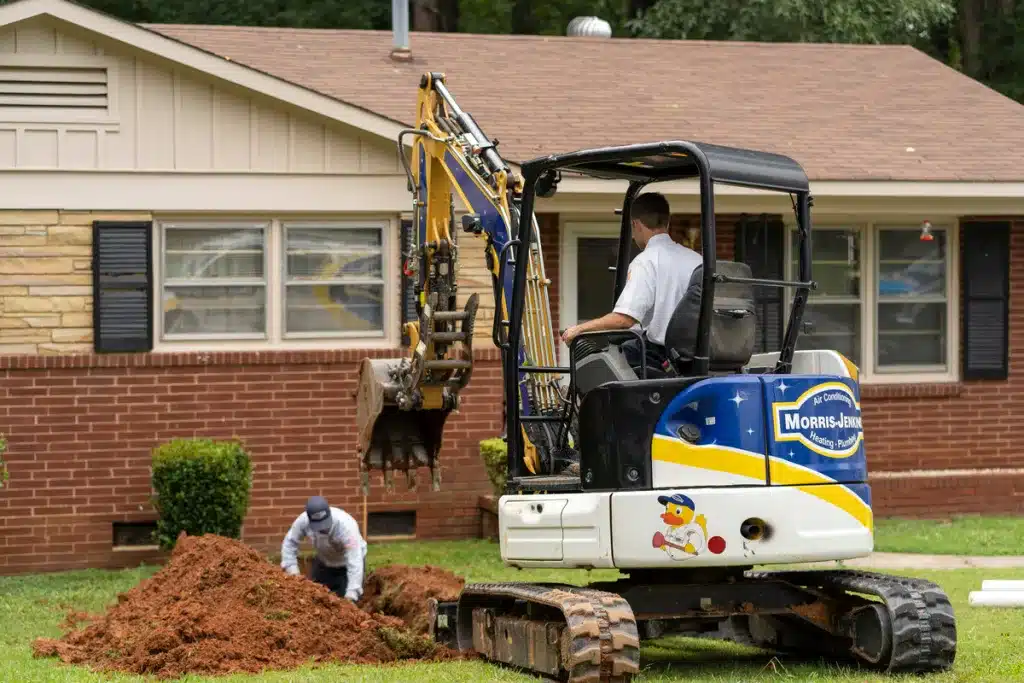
{"x": 569, "y": 333}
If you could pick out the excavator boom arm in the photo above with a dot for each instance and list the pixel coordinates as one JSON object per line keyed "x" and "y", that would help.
{"x": 402, "y": 404}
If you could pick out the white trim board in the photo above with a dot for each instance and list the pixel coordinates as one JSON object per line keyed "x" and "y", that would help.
{"x": 819, "y": 188}
{"x": 26, "y": 190}
{"x": 150, "y": 41}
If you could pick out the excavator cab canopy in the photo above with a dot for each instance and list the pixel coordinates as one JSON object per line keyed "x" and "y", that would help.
{"x": 681, "y": 160}
{"x": 641, "y": 165}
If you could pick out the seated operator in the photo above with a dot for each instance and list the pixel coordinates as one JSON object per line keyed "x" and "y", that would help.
{"x": 655, "y": 284}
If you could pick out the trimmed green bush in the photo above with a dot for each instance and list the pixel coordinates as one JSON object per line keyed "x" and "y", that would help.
{"x": 494, "y": 453}
{"x": 202, "y": 487}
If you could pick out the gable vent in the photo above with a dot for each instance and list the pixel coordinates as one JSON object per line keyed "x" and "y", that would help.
{"x": 40, "y": 87}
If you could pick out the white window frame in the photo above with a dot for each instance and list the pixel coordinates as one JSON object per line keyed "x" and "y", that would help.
{"x": 572, "y": 228}
{"x": 869, "y": 230}
{"x": 275, "y": 266}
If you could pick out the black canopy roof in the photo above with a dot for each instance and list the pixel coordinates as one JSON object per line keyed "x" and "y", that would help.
{"x": 679, "y": 159}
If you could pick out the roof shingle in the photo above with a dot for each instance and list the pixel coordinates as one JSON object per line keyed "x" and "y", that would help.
{"x": 845, "y": 112}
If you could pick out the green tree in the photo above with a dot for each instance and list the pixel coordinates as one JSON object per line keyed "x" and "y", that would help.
{"x": 829, "y": 21}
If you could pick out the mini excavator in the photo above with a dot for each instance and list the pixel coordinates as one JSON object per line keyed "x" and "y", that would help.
{"x": 685, "y": 477}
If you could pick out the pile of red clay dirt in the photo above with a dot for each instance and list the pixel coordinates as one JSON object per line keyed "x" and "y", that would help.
{"x": 402, "y": 592}
{"x": 219, "y": 607}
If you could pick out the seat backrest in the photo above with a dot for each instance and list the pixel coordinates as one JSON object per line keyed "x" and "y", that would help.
{"x": 733, "y": 322}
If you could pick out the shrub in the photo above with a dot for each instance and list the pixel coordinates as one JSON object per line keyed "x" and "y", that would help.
{"x": 494, "y": 453}
{"x": 201, "y": 487}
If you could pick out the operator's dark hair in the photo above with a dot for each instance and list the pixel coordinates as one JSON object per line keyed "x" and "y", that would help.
{"x": 651, "y": 209}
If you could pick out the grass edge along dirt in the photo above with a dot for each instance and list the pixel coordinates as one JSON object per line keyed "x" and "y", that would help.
{"x": 31, "y": 606}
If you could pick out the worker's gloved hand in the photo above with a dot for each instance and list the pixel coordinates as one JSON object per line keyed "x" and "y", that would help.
{"x": 351, "y": 596}
{"x": 293, "y": 571}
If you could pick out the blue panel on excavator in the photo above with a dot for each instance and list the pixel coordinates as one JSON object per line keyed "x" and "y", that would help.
{"x": 815, "y": 433}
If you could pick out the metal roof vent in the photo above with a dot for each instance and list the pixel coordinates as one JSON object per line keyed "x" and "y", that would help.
{"x": 591, "y": 27}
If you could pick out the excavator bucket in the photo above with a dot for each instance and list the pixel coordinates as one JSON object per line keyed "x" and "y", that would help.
{"x": 402, "y": 404}
{"x": 391, "y": 438}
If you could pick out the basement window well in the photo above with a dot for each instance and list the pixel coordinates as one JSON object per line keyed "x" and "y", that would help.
{"x": 134, "y": 535}
{"x": 391, "y": 525}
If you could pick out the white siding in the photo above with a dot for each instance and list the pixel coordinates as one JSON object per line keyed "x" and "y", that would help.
{"x": 165, "y": 118}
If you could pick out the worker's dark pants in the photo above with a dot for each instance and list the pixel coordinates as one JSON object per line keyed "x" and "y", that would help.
{"x": 335, "y": 578}
{"x": 656, "y": 355}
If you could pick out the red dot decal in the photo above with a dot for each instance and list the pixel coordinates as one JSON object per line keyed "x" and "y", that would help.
{"x": 716, "y": 545}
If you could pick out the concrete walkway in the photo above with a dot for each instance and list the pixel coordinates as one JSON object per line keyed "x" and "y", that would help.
{"x": 915, "y": 561}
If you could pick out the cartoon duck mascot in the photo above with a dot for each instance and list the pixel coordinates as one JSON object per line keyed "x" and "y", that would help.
{"x": 685, "y": 535}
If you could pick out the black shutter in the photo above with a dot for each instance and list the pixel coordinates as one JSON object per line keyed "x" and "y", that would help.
{"x": 122, "y": 282}
{"x": 408, "y": 285}
{"x": 760, "y": 244}
{"x": 985, "y": 274}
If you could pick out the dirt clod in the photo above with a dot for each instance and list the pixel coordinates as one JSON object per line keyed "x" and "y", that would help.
{"x": 403, "y": 592}
{"x": 219, "y": 607}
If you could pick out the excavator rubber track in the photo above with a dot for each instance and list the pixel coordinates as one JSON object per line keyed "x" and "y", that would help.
{"x": 921, "y": 636}
{"x": 568, "y": 633}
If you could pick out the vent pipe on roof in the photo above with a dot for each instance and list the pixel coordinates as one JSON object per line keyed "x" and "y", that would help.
{"x": 591, "y": 27}
{"x": 400, "y": 30}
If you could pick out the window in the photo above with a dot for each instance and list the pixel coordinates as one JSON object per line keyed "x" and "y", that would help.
{"x": 833, "y": 310}
{"x": 912, "y": 302}
{"x": 272, "y": 280}
{"x": 883, "y": 298}
{"x": 334, "y": 280}
{"x": 215, "y": 281}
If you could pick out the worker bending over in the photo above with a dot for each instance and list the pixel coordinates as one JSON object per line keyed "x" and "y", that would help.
{"x": 340, "y": 561}
{"x": 655, "y": 284}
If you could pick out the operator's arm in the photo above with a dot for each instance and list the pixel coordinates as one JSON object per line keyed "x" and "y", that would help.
{"x": 290, "y": 545}
{"x": 347, "y": 536}
{"x": 633, "y": 305}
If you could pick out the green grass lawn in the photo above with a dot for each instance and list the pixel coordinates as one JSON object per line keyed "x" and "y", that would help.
{"x": 964, "y": 535}
{"x": 990, "y": 640}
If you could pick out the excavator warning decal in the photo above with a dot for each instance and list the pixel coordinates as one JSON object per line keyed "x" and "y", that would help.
{"x": 686, "y": 533}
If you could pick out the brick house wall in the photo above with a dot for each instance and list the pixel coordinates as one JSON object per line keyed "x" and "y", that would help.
{"x": 81, "y": 426}
{"x": 81, "y": 429}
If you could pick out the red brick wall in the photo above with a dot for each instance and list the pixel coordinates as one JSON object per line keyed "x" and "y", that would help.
{"x": 550, "y": 244}
{"x": 81, "y": 428}
{"x": 80, "y": 431}
{"x": 966, "y": 425}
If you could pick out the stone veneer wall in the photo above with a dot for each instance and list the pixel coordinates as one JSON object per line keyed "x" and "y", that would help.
{"x": 46, "y": 280}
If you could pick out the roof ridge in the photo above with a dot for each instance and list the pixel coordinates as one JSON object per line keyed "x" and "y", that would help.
{"x": 615, "y": 40}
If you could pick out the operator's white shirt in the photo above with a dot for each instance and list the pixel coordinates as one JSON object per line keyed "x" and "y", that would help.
{"x": 658, "y": 278}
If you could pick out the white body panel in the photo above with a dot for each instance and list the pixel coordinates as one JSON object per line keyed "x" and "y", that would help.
{"x": 809, "y": 362}
{"x": 619, "y": 530}
{"x": 556, "y": 530}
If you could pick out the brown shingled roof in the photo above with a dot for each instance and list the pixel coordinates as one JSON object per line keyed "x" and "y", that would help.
{"x": 846, "y": 112}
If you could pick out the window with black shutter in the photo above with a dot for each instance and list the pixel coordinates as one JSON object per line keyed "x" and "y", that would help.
{"x": 985, "y": 275}
{"x": 122, "y": 275}
{"x": 760, "y": 244}
{"x": 408, "y": 284}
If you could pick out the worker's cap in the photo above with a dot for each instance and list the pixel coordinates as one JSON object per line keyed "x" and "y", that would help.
{"x": 319, "y": 513}
{"x": 677, "y": 499}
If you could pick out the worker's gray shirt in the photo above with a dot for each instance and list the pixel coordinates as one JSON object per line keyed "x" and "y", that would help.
{"x": 341, "y": 546}
{"x": 657, "y": 280}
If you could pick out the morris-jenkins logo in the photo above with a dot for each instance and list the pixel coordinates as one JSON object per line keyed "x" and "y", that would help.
{"x": 825, "y": 419}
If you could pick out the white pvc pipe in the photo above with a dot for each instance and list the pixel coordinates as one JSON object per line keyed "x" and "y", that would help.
{"x": 1000, "y": 585}
{"x": 996, "y": 598}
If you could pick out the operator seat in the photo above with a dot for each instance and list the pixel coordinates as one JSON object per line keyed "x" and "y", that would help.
{"x": 733, "y": 322}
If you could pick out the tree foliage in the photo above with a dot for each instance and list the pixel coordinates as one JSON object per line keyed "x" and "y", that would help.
{"x": 823, "y": 21}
